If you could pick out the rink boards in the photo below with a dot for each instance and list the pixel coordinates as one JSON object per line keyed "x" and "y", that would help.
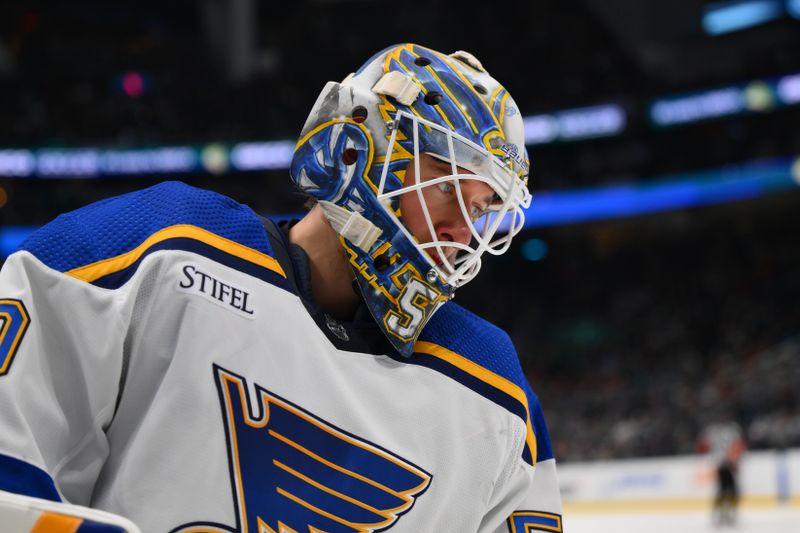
{"x": 675, "y": 494}
{"x": 766, "y": 478}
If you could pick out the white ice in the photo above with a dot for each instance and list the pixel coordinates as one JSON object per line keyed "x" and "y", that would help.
{"x": 774, "y": 520}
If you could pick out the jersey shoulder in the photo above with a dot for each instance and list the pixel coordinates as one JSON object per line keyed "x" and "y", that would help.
{"x": 121, "y": 231}
{"x": 487, "y": 352}
{"x": 465, "y": 333}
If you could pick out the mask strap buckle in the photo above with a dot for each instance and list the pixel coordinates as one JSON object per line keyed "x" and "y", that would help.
{"x": 351, "y": 225}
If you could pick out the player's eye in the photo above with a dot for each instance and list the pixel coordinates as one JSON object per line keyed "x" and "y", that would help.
{"x": 477, "y": 211}
{"x": 446, "y": 187}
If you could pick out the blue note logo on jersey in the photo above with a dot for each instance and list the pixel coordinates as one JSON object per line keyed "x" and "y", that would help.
{"x": 293, "y": 472}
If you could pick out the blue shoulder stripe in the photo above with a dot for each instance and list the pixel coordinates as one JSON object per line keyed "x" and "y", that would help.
{"x": 19, "y": 477}
{"x": 105, "y": 242}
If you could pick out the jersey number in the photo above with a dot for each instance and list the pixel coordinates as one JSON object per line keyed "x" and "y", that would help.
{"x": 14, "y": 321}
{"x": 530, "y": 521}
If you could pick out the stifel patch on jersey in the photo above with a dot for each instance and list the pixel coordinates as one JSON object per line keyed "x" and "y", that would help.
{"x": 193, "y": 280}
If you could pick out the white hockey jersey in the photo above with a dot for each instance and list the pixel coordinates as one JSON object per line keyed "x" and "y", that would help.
{"x": 157, "y": 362}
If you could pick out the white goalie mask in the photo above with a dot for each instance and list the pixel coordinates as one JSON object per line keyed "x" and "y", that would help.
{"x": 354, "y": 155}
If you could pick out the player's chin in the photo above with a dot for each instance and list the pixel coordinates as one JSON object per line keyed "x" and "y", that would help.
{"x": 435, "y": 257}
{"x": 446, "y": 261}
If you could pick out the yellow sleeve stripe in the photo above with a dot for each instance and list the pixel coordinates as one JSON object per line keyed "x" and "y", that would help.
{"x": 487, "y": 376}
{"x": 98, "y": 269}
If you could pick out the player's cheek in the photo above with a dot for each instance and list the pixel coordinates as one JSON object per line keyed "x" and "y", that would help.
{"x": 411, "y": 212}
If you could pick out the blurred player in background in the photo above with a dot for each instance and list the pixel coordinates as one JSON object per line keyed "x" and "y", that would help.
{"x": 724, "y": 444}
{"x": 171, "y": 357}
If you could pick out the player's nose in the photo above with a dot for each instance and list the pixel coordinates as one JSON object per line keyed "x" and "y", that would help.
{"x": 454, "y": 225}
{"x": 454, "y": 228}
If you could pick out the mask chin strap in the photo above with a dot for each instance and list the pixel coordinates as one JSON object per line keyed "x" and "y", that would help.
{"x": 351, "y": 225}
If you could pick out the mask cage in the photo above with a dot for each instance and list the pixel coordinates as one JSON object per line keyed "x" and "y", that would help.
{"x": 491, "y": 231}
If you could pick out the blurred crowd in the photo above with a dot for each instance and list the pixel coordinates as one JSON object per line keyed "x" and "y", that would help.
{"x": 638, "y": 334}
{"x": 62, "y": 66}
{"x": 149, "y": 73}
{"x": 635, "y": 334}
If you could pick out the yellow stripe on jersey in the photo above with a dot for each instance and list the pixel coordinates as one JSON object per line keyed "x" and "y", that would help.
{"x": 98, "y": 269}
{"x": 56, "y": 523}
{"x": 487, "y": 376}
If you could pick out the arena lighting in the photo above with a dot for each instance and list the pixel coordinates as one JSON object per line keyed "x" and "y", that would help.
{"x": 534, "y": 249}
{"x": 789, "y": 89}
{"x": 262, "y": 155}
{"x": 727, "y": 184}
{"x": 727, "y": 17}
{"x": 793, "y": 8}
{"x": 796, "y": 171}
{"x": 133, "y": 84}
{"x": 561, "y": 126}
{"x": 693, "y": 108}
{"x": 17, "y": 163}
{"x": 12, "y": 236}
{"x": 755, "y": 96}
{"x": 551, "y": 208}
{"x": 216, "y": 158}
{"x": 95, "y": 162}
{"x": 575, "y": 124}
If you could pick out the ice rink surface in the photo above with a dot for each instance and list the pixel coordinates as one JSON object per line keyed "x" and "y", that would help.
{"x": 751, "y": 520}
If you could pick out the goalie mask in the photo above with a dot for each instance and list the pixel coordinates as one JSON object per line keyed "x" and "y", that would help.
{"x": 356, "y": 154}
